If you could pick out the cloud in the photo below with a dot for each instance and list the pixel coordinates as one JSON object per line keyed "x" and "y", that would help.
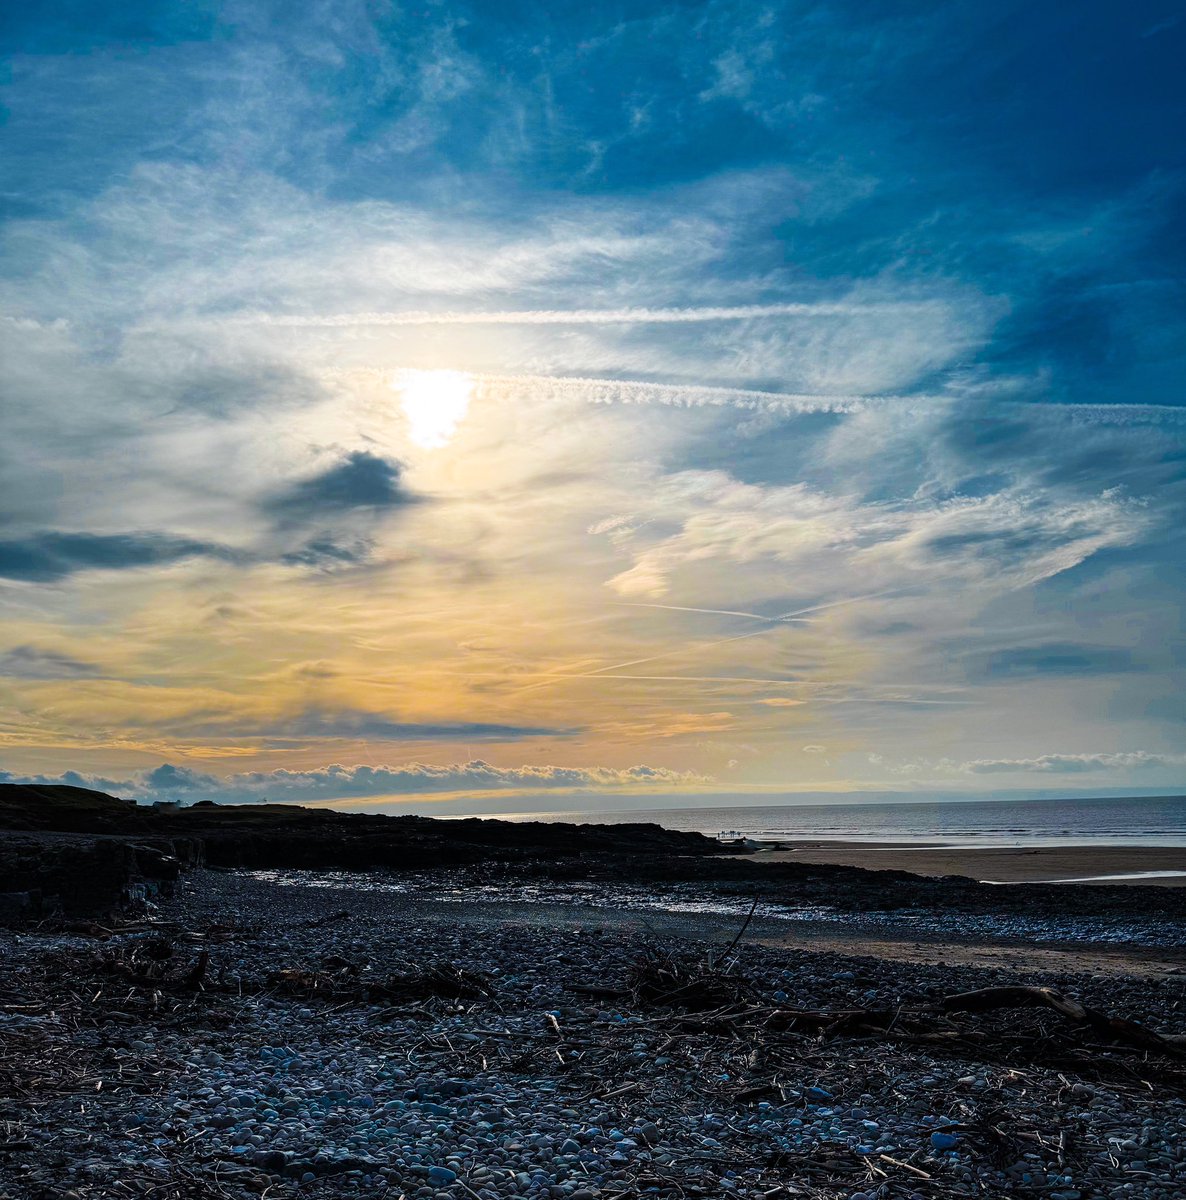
{"x": 360, "y": 481}
{"x": 714, "y": 306}
{"x": 322, "y": 722}
{"x": 31, "y": 662}
{"x": 327, "y": 554}
{"x": 1045, "y": 764}
{"x": 168, "y": 779}
{"x": 1074, "y": 764}
{"x": 373, "y": 726}
{"x": 169, "y": 782}
{"x": 1055, "y": 658}
{"x": 1005, "y": 539}
{"x": 51, "y": 555}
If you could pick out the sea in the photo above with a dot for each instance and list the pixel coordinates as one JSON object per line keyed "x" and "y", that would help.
{"x": 1125, "y": 821}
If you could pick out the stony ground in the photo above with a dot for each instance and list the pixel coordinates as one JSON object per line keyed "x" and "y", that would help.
{"x": 356, "y": 1043}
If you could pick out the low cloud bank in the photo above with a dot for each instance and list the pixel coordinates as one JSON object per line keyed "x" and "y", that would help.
{"x": 1073, "y": 764}
{"x": 1046, "y": 764}
{"x": 169, "y": 782}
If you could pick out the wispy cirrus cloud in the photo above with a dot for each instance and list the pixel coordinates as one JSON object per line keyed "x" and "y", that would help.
{"x": 35, "y": 662}
{"x": 1005, "y": 539}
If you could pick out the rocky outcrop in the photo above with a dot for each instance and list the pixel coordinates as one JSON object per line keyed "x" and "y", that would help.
{"x": 82, "y": 851}
{"x": 76, "y": 875}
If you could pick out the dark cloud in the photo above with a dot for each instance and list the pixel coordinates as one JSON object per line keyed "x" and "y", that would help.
{"x": 28, "y": 662}
{"x": 168, "y": 778}
{"x": 1010, "y": 545}
{"x": 375, "y": 726}
{"x": 360, "y": 481}
{"x": 1056, "y": 658}
{"x": 51, "y": 555}
{"x": 326, "y": 554}
{"x": 320, "y": 721}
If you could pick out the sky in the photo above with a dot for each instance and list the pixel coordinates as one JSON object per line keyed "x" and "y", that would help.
{"x": 517, "y": 405}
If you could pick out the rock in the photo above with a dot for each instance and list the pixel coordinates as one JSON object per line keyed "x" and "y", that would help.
{"x": 944, "y": 1141}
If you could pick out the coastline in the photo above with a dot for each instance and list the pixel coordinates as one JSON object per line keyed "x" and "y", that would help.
{"x": 1110, "y": 864}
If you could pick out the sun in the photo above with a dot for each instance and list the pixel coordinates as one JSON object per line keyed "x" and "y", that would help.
{"x": 434, "y": 402}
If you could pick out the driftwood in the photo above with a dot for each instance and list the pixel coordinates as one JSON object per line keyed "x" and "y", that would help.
{"x": 344, "y": 984}
{"x": 713, "y": 1001}
{"x": 914, "y": 1024}
{"x": 146, "y": 968}
{"x": 1119, "y": 1029}
{"x": 682, "y": 983}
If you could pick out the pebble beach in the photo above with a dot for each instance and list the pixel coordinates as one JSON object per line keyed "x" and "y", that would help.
{"x": 529, "y": 1069}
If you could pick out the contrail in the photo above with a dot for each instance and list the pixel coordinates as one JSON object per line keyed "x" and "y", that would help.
{"x": 730, "y": 612}
{"x": 604, "y": 390}
{"x": 572, "y": 316}
{"x": 891, "y": 700}
{"x": 681, "y": 395}
{"x": 1107, "y": 414}
{"x": 721, "y": 612}
{"x": 782, "y": 618}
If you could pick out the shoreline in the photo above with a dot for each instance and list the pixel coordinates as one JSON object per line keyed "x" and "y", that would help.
{"x": 1124, "y": 865}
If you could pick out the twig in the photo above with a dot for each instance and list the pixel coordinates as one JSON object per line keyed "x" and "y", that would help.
{"x": 753, "y": 908}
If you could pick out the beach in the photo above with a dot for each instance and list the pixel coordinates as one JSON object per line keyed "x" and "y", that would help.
{"x": 304, "y": 1036}
{"x": 302, "y": 1005}
{"x": 1112, "y": 864}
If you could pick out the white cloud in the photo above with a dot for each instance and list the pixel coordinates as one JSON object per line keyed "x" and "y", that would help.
{"x": 1073, "y": 764}
{"x": 1046, "y": 764}
{"x": 333, "y": 782}
{"x": 1007, "y": 539}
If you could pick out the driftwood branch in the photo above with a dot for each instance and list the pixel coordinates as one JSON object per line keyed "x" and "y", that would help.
{"x": 694, "y": 988}
{"x": 911, "y": 1024}
{"x": 1119, "y": 1029}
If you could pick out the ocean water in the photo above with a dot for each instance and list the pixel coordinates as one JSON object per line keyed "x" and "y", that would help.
{"x": 1131, "y": 821}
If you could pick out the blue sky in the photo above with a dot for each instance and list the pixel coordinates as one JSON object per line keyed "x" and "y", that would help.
{"x": 730, "y": 399}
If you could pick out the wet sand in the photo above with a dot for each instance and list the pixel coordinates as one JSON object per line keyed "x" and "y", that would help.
{"x": 996, "y": 864}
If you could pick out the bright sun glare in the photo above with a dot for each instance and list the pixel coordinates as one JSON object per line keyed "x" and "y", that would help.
{"x": 435, "y": 403}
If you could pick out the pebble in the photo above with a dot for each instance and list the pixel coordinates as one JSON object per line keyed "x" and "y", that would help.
{"x": 336, "y": 1096}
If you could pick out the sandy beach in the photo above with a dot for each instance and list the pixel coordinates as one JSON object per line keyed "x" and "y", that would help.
{"x": 1000, "y": 864}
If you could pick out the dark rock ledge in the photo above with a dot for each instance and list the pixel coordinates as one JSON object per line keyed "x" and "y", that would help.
{"x": 83, "y": 852}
